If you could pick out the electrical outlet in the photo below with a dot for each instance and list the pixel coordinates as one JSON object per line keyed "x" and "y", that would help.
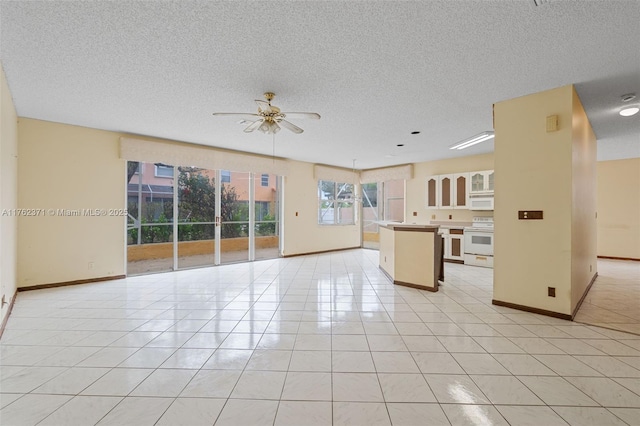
{"x": 433, "y": 216}
{"x": 551, "y": 291}
{"x": 415, "y": 213}
{"x": 450, "y": 216}
{"x": 90, "y": 265}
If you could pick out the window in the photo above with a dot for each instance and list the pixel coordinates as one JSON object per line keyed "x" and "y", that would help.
{"x": 265, "y": 180}
{"x": 164, "y": 171}
{"x": 225, "y": 176}
{"x": 335, "y": 200}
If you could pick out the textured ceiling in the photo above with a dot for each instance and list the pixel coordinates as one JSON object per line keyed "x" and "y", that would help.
{"x": 375, "y": 71}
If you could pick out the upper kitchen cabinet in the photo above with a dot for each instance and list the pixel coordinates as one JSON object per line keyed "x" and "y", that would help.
{"x": 432, "y": 192}
{"x": 460, "y": 191}
{"x": 445, "y": 191}
{"x": 452, "y": 191}
{"x": 481, "y": 183}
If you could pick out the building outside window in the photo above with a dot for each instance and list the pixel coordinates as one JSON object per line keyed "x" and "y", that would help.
{"x": 164, "y": 171}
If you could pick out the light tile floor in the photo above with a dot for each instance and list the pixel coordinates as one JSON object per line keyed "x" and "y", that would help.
{"x": 315, "y": 340}
{"x": 614, "y": 298}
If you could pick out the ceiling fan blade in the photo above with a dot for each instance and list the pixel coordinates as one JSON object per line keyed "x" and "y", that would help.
{"x": 253, "y": 126}
{"x": 312, "y": 115}
{"x": 264, "y": 106}
{"x": 290, "y": 126}
{"x": 248, "y": 115}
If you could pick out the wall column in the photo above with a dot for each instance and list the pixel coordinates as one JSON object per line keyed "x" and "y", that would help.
{"x": 552, "y": 170}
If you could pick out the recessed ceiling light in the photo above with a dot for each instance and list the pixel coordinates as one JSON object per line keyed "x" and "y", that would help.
{"x": 628, "y": 112}
{"x": 415, "y": 132}
{"x": 400, "y": 144}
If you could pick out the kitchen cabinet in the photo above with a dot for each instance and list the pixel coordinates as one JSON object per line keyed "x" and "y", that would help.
{"x": 448, "y": 191}
{"x": 445, "y": 191}
{"x": 481, "y": 182}
{"x": 432, "y": 192}
{"x": 411, "y": 255}
{"x": 453, "y": 244}
{"x": 461, "y": 191}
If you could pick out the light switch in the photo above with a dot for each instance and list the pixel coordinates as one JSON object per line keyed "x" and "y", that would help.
{"x": 552, "y": 123}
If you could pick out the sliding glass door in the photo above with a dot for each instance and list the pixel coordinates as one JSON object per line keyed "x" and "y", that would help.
{"x": 235, "y": 190}
{"x": 196, "y": 217}
{"x": 371, "y": 214}
{"x": 381, "y": 201}
{"x": 149, "y": 218}
{"x": 266, "y": 215}
{"x": 221, "y": 217}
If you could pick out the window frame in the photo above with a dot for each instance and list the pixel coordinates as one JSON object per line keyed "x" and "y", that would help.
{"x": 338, "y": 188}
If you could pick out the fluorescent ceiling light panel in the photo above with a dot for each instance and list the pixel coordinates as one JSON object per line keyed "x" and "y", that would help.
{"x": 484, "y": 136}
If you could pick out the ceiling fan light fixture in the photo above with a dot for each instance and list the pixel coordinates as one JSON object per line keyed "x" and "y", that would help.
{"x": 269, "y": 118}
{"x": 484, "y": 136}
{"x": 269, "y": 127}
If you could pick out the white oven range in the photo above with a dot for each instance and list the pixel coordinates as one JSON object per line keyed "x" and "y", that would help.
{"x": 478, "y": 242}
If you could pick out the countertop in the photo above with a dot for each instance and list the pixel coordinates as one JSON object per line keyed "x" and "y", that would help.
{"x": 408, "y": 226}
{"x": 447, "y": 224}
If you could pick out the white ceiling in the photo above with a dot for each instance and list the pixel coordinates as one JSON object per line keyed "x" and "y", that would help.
{"x": 374, "y": 70}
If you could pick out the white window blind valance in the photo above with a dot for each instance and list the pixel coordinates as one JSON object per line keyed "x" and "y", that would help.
{"x": 334, "y": 174}
{"x": 387, "y": 173}
{"x": 185, "y": 154}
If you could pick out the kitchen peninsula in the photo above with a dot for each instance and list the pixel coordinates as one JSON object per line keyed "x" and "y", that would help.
{"x": 411, "y": 255}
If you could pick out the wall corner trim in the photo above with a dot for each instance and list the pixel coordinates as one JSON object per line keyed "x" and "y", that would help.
{"x": 584, "y": 295}
{"x": 319, "y": 252}
{"x": 6, "y": 318}
{"x": 76, "y": 282}
{"x": 532, "y": 310}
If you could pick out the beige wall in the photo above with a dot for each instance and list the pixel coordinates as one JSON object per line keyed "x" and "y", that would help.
{"x": 583, "y": 203}
{"x": 69, "y": 167}
{"x": 8, "y": 196}
{"x": 619, "y": 208}
{"x": 302, "y": 233}
{"x": 63, "y": 166}
{"x": 416, "y": 188}
{"x": 548, "y": 171}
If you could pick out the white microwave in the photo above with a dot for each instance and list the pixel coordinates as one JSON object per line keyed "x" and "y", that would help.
{"x": 481, "y": 203}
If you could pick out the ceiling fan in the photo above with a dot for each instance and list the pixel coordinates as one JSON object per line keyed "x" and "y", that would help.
{"x": 269, "y": 118}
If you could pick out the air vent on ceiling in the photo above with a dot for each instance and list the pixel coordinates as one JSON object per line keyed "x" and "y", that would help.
{"x": 540, "y": 2}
